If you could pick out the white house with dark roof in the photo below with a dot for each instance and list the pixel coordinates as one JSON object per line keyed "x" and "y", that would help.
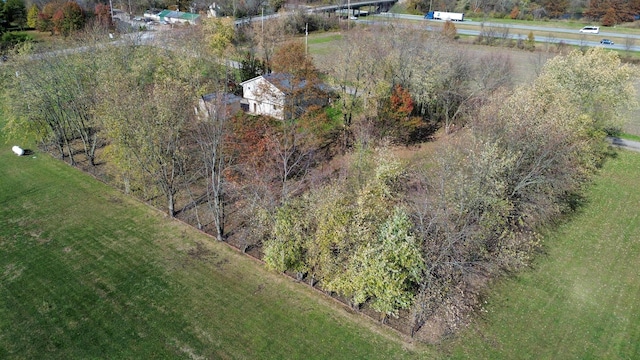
{"x": 263, "y": 96}
{"x": 268, "y": 94}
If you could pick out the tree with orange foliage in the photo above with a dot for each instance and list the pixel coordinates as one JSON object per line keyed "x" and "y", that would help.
{"x": 68, "y": 18}
{"x": 555, "y": 8}
{"x": 395, "y": 121}
{"x": 293, "y": 59}
{"x": 298, "y": 78}
{"x": 612, "y": 12}
{"x": 610, "y": 17}
{"x": 103, "y": 15}
{"x": 45, "y": 17}
{"x": 515, "y": 12}
{"x": 449, "y": 30}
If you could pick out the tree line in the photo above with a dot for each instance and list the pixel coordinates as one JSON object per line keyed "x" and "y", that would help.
{"x": 322, "y": 193}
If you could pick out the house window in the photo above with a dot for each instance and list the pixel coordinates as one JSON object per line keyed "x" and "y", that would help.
{"x": 255, "y": 108}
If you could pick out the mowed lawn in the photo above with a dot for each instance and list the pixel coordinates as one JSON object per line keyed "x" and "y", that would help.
{"x": 582, "y": 298}
{"x": 86, "y": 272}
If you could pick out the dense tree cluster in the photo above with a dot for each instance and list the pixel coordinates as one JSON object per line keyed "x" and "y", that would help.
{"x": 60, "y": 17}
{"x": 56, "y": 17}
{"x": 520, "y": 161}
{"x": 12, "y": 14}
{"x": 613, "y": 12}
{"x": 320, "y": 192}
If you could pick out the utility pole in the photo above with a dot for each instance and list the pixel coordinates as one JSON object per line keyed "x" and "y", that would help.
{"x": 306, "y": 38}
{"x": 348, "y": 13}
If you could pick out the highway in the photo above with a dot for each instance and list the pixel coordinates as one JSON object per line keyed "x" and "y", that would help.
{"x": 555, "y": 35}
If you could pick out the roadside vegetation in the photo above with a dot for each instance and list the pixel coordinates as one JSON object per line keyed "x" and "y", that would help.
{"x": 608, "y": 13}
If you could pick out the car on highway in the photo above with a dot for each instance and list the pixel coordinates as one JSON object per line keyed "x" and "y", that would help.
{"x": 590, "y": 30}
{"x": 606, "y": 42}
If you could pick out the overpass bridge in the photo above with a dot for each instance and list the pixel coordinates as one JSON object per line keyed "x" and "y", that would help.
{"x": 380, "y": 5}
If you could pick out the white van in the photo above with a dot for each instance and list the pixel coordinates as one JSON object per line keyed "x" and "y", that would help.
{"x": 590, "y": 30}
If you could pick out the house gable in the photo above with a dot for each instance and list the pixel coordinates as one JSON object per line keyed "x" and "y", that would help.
{"x": 264, "y": 97}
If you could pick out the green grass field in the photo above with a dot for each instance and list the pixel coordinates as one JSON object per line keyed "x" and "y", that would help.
{"x": 630, "y": 137}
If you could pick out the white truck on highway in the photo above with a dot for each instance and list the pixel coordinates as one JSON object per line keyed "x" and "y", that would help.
{"x": 442, "y": 15}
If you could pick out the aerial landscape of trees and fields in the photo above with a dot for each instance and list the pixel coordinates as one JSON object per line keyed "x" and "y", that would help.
{"x": 313, "y": 185}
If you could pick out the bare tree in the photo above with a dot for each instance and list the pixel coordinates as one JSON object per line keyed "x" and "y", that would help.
{"x": 629, "y": 43}
{"x": 269, "y": 35}
{"x": 537, "y": 61}
{"x": 494, "y": 71}
{"x": 583, "y": 43}
{"x": 210, "y": 134}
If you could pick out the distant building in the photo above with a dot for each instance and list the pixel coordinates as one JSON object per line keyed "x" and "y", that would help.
{"x": 173, "y": 17}
{"x": 213, "y": 10}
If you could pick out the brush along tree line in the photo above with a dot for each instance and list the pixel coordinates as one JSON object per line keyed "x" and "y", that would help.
{"x": 320, "y": 192}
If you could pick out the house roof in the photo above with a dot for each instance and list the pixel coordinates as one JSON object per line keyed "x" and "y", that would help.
{"x": 225, "y": 98}
{"x": 283, "y": 82}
